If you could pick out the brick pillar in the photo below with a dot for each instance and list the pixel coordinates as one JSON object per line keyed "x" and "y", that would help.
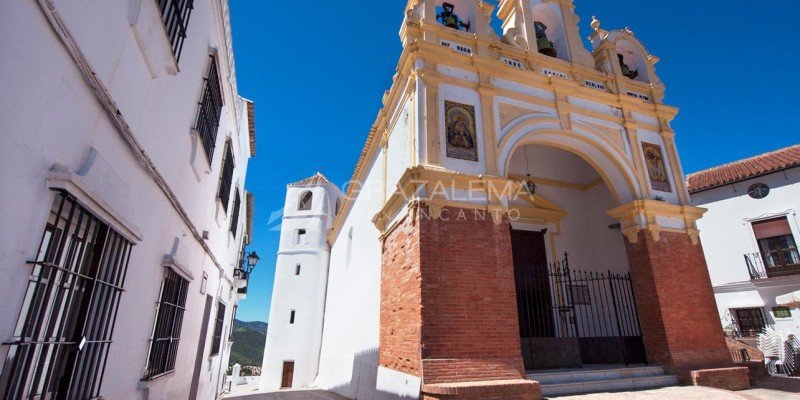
{"x": 448, "y": 306}
{"x": 678, "y": 313}
{"x": 401, "y": 306}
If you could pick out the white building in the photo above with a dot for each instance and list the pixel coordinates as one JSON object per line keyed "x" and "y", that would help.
{"x": 493, "y": 155}
{"x": 750, "y": 234}
{"x": 294, "y": 338}
{"x": 124, "y": 215}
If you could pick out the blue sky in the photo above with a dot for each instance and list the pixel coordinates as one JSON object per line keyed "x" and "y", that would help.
{"x": 317, "y": 71}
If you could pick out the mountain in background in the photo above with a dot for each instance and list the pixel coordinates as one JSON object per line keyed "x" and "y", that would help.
{"x": 248, "y": 343}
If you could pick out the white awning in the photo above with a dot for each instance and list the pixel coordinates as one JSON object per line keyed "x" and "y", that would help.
{"x": 789, "y": 300}
{"x": 740, "y": 300}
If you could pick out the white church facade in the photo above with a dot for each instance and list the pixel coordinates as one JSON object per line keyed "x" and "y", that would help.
{"x": 519, "y": 205}
{"x": 123, "y": 211}
{"x": 750, "y": 234}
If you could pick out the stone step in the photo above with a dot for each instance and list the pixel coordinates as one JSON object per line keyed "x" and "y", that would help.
{"x": 613, "y": 385}
{"x": 589, "y": 374}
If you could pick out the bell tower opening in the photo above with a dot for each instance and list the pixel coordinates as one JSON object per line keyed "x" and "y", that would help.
{"x": 457, "y": 14}
{"x": 551, "y": 37}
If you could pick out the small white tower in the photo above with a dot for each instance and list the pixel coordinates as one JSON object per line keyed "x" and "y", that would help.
{"x": 294, "y": 336}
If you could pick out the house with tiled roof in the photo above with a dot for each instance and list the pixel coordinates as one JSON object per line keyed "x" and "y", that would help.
{"x": 750, "y": 235}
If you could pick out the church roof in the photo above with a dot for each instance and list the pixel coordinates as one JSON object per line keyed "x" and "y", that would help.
{"x": 316, "y": 179}
{"x": 744, "y": 169}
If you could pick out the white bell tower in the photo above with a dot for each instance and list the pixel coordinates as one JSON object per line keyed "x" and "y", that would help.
{"x": 294, "y": 336}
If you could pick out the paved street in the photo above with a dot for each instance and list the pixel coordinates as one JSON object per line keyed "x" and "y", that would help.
{"x": 288, "y": 395}
{"x": 767, "y": 389}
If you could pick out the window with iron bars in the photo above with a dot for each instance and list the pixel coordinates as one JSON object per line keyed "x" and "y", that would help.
{"x": 226, "y": 178}
{"x": 237, "y": 205}
{"x": 210, "y": 110}
{"x": 66, "y": 324}
{"x": 175, "y": 15}
{"x": 751, "y": 321}
{"x": 219, "y": 324}
{"x": 167, "y": 328}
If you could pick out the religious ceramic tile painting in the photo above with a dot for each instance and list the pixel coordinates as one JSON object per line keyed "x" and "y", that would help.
{"x": 462, "y": 141}
{"x": 656, "y": 168}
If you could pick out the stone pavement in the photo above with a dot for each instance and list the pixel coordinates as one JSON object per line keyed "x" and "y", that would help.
{"x": 766, "y": 389}
{"x": 288, "y": 395}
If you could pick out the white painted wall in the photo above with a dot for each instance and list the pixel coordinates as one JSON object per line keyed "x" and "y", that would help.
{"x": 399, "y": 150}
{"x": 349, "y": 360}
{"x": 303, "y": 293}
{"x": 727, "y": 235}
{"x": 50, "y": 116}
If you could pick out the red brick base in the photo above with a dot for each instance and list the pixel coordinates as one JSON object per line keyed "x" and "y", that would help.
{"x": 448, "y": 307}
{"x": 517, "y": 389}
{"x": 723, "y": 378}
{"x": 677, "y": 310}
{"x": 449, "y": 314}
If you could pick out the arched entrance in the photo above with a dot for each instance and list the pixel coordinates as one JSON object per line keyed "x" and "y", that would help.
{"x": 575, "y": 301}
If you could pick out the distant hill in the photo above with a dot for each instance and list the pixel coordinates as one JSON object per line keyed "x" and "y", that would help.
{"x": 248, "y": 343}
{"x": 255, "y": 326}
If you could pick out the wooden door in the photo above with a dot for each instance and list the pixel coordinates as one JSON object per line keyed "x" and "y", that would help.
{"x": 534, "y": 303}
{"x": 288, "y": 375}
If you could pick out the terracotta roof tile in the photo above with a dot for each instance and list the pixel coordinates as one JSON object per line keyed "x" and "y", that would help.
{"x": 317, "y": 179}
{"x": 744, "y": 169}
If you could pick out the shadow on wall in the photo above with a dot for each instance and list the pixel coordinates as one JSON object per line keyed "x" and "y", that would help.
{"x": 363, "y": 382}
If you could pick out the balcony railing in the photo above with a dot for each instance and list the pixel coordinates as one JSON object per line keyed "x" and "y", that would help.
{"x": 775, "y": 263}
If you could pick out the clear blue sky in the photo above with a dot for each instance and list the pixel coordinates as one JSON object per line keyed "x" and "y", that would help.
{"x": 317, "y": 71}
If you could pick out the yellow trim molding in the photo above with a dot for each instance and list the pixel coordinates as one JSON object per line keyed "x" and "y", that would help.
{"x": 642, "y": 214}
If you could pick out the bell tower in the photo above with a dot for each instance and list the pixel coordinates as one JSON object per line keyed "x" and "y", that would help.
{"x": 547, "y": 27}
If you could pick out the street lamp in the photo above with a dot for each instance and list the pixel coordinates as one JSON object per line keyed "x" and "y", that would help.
{"x": 252, "y": 260}
{"x": 244, "y": 271}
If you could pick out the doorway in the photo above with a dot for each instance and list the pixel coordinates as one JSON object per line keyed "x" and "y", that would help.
{"x": 288, "y": 375}
{"x": 534, "y": 300}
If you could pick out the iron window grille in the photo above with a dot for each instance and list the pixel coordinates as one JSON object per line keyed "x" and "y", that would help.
{"x": 175, "y": 15}
{"x": 751, "y": 321}
{"x": 210, "y": 110}
{"x": 219, "y": 324}
{"x": 60, "y": 345}
{"x": 167, "y": 328}
{"x": 226, "y": 178}
{"x": 237, "y": 205}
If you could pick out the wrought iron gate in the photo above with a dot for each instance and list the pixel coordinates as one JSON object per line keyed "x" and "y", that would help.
{"x": 569, "y": 318}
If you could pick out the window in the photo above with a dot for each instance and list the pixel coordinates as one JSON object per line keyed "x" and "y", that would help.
{"x": 776, "y": 243}
{"x": 349, "y": 254}
{"x": 237, "y": 205}
{"x": 297, "y": 270}
{"x": 219, "y": 324}
{"x": 175, "y": 15}
{"x": 73, "y": 294}
{"x": 226, "y": 178}
{"x": 338, "y": 206}
{"x": 291, "y": 317}
{"x": 233, "y": 322}
{"x": 300, "y": 236}
{"x": 305, "y": 201}
{"x": 167, "y": 329}
{"x": 751, "y": 321}
{"x": 210, "y": 110}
